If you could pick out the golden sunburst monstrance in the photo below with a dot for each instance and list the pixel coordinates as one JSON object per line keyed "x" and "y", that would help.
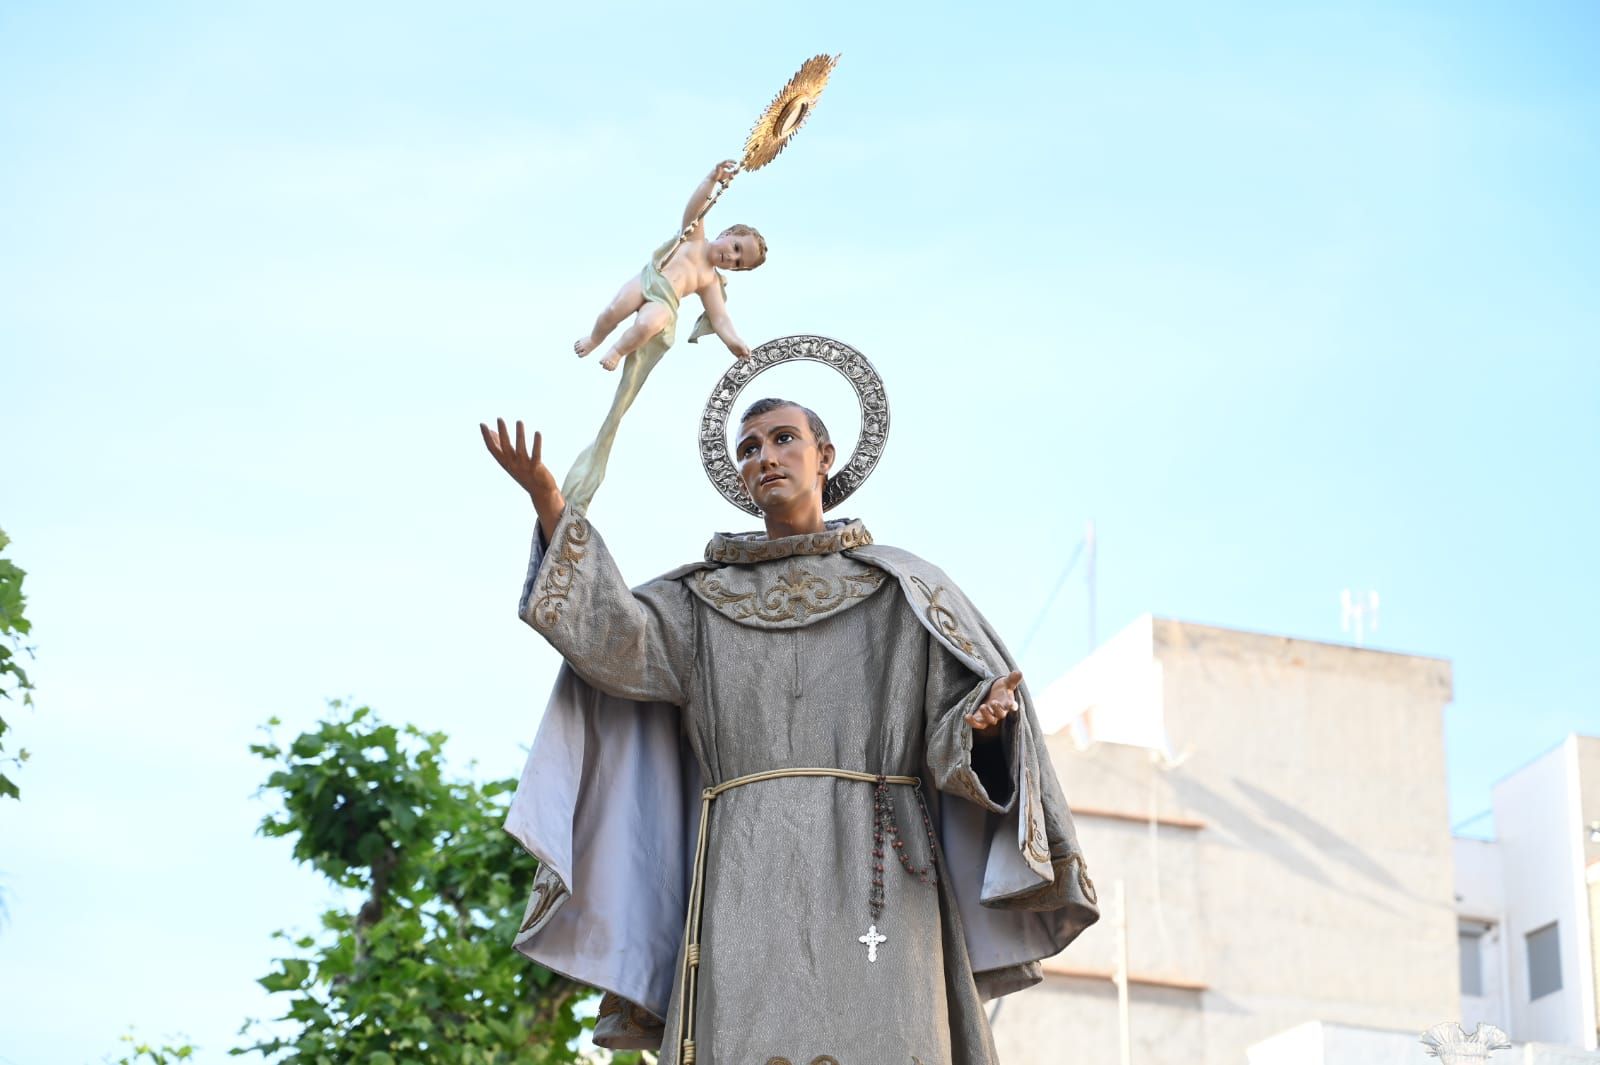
{"x": 787, "y": 112}
{"x": 785, "y": 115}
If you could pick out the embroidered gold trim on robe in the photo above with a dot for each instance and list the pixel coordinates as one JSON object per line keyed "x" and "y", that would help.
{"x": 1085, "y": 885}
{"x": 621, "y": 1021}
{"x": 548, "y": 890}
{"x": 1038, "y": 843}
{"x": 942, "y": 619}
{"x": 793, "y": 594}
{"x": 560, "y": 571}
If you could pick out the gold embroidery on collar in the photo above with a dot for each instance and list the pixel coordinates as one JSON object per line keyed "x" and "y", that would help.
{"x": 560, "y": 570}
{"x": 942, "y": 618}
{"x": 740, "y": 548}
{"x": 795, "y": 595}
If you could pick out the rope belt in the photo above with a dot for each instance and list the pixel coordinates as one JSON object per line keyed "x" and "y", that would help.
{"x": 689, "y": 964}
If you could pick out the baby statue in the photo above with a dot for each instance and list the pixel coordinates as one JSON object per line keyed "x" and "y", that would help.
{"x": 655, "y": 293}
{"x": 687, "y": 263}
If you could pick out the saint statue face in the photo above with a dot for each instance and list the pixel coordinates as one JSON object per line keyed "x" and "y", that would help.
{"x": 780, "y": 463}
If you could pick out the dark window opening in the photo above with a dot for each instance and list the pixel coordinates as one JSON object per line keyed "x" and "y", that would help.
{"x": 1544, "y": 961}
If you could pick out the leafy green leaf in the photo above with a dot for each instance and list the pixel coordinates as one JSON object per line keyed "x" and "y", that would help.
{"x": 418, "y": 967}
{"x": 14, "y": 679}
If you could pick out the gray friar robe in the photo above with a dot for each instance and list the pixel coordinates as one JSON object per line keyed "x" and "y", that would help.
{"x": 820, "y": 650}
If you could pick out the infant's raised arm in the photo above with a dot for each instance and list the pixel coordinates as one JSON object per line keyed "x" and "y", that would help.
{"x": 701, "y": 201}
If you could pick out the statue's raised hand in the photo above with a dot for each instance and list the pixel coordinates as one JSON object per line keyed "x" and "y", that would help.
{"x": 528, "y": 470}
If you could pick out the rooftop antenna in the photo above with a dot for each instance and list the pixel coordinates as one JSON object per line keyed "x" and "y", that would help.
{"x": 1360, "y": 614}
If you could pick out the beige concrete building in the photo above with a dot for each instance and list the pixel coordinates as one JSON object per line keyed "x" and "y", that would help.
{"x": 1276, "y": 812}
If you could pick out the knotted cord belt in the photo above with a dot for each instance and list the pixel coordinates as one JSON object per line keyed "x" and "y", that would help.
{"x": 689, "y": 965}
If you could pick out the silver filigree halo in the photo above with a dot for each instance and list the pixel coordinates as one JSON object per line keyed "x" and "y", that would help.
{"x": 718, "y": 460}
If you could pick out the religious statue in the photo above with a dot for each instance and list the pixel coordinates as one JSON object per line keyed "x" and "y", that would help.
{"x": 791, "y": 803}
{"x": 688, "y": 263}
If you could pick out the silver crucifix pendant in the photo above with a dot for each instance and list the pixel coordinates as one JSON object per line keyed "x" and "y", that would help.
{"x": 872, "y": 939}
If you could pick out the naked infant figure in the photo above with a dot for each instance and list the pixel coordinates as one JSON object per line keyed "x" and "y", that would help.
{"x": 652, "y": 297}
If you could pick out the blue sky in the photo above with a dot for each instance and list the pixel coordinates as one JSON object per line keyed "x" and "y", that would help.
{"x": 1286, "y": 300}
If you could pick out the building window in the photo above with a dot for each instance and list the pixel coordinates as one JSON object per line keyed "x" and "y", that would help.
{"x": 1544, "y": 961}
{"x": 1472, "y": 960}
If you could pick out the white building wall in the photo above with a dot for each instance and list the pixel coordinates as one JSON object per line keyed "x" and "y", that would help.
{"x": 1316, "y": 1043}
{"x": 1545, "y": 1054}
{"x": 1113, "y": 696}
{"x": 1480, "y": 898}
{"x": 1334, "y": 1044}
{"x": 1586, "y": 751}
{"x": 1541, "y": 840}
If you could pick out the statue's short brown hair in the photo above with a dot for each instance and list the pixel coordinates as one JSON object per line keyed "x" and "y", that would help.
{"x": 742, "y": 230}
{"x": 766, "y": 406}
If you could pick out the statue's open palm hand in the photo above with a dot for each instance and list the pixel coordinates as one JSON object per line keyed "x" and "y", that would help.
{"x": 525, "y": 467}
{"x": 999, "y": 704}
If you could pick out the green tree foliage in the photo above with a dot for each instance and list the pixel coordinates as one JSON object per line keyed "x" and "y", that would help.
{"x": 419, "y": 969}
{"x": 140, "y": 1052}
{"x": 14, "y": 627}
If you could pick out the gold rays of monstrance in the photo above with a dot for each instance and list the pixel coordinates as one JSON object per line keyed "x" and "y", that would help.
{"x": 781, "y": 120}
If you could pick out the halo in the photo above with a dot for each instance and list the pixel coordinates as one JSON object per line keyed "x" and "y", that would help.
{"x": 787, "y": 112}
{"x": 718, "y": 460}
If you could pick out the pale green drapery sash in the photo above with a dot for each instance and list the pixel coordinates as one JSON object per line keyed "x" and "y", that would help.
{"x": 589, "y": 469}
{"x": 689, "y": 962}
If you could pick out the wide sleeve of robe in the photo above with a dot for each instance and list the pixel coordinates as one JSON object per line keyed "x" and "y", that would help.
{"x": 630, "y": 643}
{"x": 601, "y": 801}
{"x": 960, "y": 764}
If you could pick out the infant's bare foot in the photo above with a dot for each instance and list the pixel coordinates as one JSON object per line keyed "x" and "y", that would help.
{"x": 584, "y": 345}
{"x": 611, "y": 361}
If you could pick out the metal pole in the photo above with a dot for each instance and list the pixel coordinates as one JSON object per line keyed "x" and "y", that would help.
{"x": 1088, "y": 538}
{"x": 1124, "y": 1022}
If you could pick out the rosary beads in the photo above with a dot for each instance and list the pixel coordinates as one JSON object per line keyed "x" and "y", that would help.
{"x": 884, "y": 827}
